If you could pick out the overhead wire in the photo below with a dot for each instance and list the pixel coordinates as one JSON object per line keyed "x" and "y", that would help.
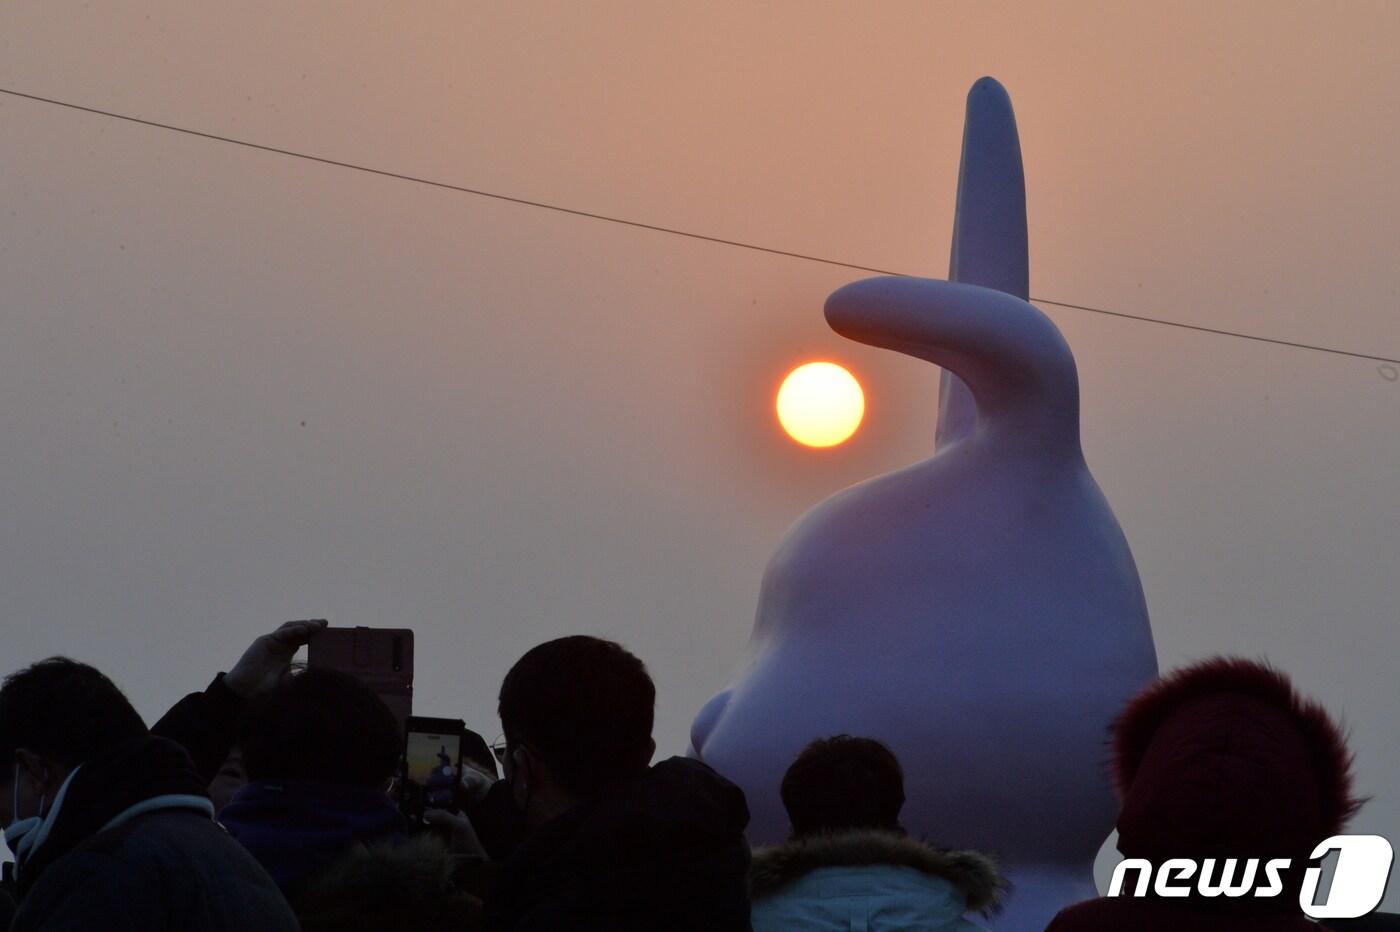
{"x": 655, "y": 228}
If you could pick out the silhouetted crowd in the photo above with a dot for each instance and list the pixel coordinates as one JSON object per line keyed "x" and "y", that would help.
{"x": 272, "y": 801}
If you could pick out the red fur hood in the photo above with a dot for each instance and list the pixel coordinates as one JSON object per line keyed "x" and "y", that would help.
{"x": 1224, "y": 758}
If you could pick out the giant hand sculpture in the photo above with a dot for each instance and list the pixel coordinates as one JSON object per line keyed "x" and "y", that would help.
{"x": 980, "y": 611}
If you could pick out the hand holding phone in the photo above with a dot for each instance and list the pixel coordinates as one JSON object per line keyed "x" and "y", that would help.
{"x": 461, "y": 834}
{"x": 269, "y": 657}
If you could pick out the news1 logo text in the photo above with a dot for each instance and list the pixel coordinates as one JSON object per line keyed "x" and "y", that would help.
{"x": 1358, "y": 881}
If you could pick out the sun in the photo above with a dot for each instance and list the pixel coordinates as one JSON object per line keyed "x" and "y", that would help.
{"x": 820, "y": 404}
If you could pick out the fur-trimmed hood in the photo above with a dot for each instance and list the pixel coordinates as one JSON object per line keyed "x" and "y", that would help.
{"x": 1225, "y": 758}
{"x": 972, "y": 874}
{"x": 387, "y": 886}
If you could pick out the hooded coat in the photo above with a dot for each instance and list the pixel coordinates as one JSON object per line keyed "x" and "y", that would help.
{"x": 386, "y": 887}
{"x": 664, "y": 852}
{"x": 1222, "y": 760}
{"x": 132, "y": 846}
{"x": 879, "y": 881}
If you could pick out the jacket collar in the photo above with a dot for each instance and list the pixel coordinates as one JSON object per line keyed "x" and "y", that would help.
{"x": 974, "y": 875}
{"x": 141, "y": 776}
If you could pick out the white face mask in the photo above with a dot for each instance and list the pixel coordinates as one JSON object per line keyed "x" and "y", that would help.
{"x": 24, "y": 836}
{"x": 20, "y": 831}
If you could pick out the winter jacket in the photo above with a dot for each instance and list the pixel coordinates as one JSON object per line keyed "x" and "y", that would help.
{"x": 132, "y": 846}
{"x": 1222, "y": 760}
{"x": 386, "y": 887}
{"x": 295, "y": 829}
{"x": 664, "y": 852}
{"x": 869, "y": 880}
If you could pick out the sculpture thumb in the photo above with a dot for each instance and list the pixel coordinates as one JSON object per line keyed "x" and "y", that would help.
{"x": 1011, "y": 357}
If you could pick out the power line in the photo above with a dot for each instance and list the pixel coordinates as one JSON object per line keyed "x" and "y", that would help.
{"x": 1223, "y": 333}
{"x": 655, "y": 228}
{"x": 383, "y": 173}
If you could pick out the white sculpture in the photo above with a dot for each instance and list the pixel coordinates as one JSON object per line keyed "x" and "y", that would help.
{"x": 980, "y": 611}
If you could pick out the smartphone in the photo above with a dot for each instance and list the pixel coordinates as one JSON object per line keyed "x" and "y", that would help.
{"x": 381, "y": 657}
{"x": 432, "y": 764}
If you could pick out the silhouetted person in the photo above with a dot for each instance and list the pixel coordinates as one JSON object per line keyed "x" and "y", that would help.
{"x": 1221, "y": 760}
{"x": 110, "y": 825}
{"x": 849, "y": 864}
{"x": 320, "y": 749}
{"x": 613, "y": 844}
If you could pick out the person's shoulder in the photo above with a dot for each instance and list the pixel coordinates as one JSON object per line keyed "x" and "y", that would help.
{"x": 686, "y": 767}
{"x": 179, "y": 843}
{"x": 84, "y": 885}
{"x": 684, "y": 790}
{"x": 150, "y": 871}
{"x": 121, "y": 854}
{"x": 187, "y": 861}
{"x": 179, "y": 832}
{"x": 694, "y": 776}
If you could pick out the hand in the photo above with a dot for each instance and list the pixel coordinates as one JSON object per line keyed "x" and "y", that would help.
{"x": 463, "y": 840}
{"x": 474, "y": 783}
{"x": 269, "y": 657}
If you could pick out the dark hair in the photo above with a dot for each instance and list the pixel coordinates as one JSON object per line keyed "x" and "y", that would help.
{"x": 321, "y": 725}
{"x": 843, "y": 783}
{"x": 583, "y": 704}
{"x": 65, "y": 710}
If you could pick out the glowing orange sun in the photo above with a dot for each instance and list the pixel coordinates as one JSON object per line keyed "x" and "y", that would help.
{"x": 820, "y": 404}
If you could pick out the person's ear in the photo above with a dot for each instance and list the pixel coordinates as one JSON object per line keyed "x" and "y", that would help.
{"x": 38, "y": 769}
{"x": 522, "y": 770}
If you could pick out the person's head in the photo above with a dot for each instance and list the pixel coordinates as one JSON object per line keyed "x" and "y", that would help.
{"x": 842, "y": 784}
{"x": 56, "y": 715}
{"x": 577, "y": 715}
{"x": 1226, "y": 758}
{"x": 323, "y": 726}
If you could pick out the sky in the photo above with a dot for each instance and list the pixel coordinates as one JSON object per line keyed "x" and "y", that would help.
{"x": 240, "y": 387}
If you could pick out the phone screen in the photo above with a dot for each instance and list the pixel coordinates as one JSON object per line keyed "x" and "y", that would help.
{"x": 432, "y": 765}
